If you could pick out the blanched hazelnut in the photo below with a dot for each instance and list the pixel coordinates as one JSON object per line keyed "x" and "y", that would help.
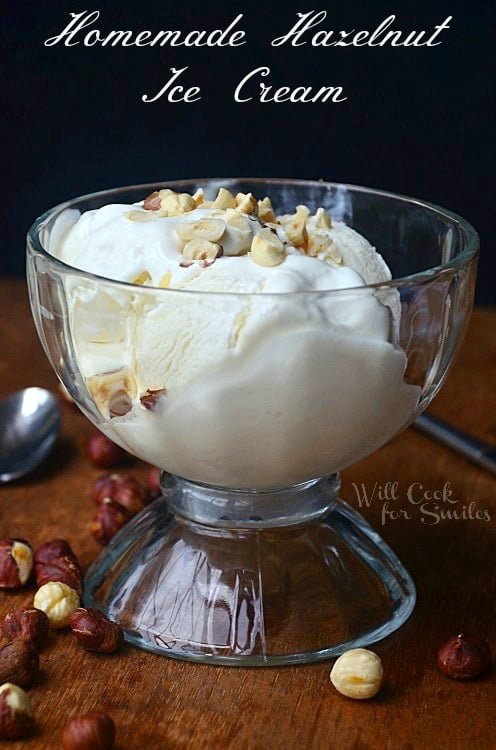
{"x": 95, "y": 632}
{"x": 16, "y": 563}
{"x": 26, "y": 624}
{"x": 357, "y": 674}
{"x": 16, "y": 713}
{"x": 93, "y": 731}
{"x": 19, "y": 663}
{"x": 58, "y": 601}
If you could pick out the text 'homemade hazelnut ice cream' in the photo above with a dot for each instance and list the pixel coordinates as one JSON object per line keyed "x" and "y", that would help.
{"x": 246, "y": 349}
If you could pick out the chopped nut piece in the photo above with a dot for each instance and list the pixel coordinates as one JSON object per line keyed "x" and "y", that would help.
{"x": 113, "y": 392}
{"x": 141, "y": 216}
{"x": 152, "y": 202}
{"x": 58, "y": 601}
{"x": 198, "y": 197}
{"x": 265, "y": 212}
{"x": 267, "y": 249}
{"x": 225, "y": 199}
{"x": 357, "y": 674}
{"x": 150, "y": 398}
{"x": 295, "y": 226}
{"x": 142, "y": 278}
{"x": 198, "y": 249}
{"x": 246, "y": 203}
{"x": 320, "y": 243}
{"x": 16, "y": 713}
{"x": 322, "y": 219}
{"x": 176, "y": 203}
{"x": 204, "y": 229}
{"x": 165, "y": 281}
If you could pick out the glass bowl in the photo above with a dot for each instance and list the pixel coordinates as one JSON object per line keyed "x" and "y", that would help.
{"x": 251, "y": 404}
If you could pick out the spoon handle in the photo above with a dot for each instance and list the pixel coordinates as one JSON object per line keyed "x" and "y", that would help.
{"x": 475, "y": 450}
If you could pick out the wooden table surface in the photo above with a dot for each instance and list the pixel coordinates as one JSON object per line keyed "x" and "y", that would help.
{"x": 160, "y": 703}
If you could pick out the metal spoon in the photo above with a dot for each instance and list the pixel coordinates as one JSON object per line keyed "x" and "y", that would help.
{"x": 29, "y": 423}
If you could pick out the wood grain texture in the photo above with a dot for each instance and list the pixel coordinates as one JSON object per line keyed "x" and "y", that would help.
{"x": 160, "y": 703}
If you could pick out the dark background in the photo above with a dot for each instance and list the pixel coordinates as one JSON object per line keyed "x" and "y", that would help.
{"x": 418, "y": 121}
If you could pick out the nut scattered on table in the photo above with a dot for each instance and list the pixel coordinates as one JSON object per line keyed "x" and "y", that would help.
{"x": 357, "y": 674}
{"x": 93, "y": 731}
{"x": 95, "y": 632}
{"x": 103, "y": 452}
{"x": 16, "y": 563}
{"x": 58, "y": 601}
{"x": 463, "y": 657}
{"x": 55, "y": 561}
{"x": 123, "y": 489}
{"x": 26, "y": 624}
{"x": 16, "y": 713}
{"x": 19, "y": 663}
{"x": 109, "y": 519}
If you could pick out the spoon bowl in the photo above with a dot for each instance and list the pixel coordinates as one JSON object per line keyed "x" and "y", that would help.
{"x": 29, "y": 424}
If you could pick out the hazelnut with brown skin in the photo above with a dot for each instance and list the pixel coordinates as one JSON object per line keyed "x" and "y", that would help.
{"x": 110, "y": 519}
{"x": 123, "y": 489}
{"x": 16, "y": 563}
{"x": 464, "y": 657}
{"x": 153, "y": 481}
{"x": 95, "y": 632}
{"x": 55, "y": 561}
{"x": 93, "y": 731}
{"x": 103, "y": 452}
{"x": 26, "y": 624}
{"x": 16, "y": 714}
{"x": 19, "y": 663}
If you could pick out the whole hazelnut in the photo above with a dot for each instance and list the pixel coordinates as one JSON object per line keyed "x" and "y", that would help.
{"x": 95, "y": 632}
{"x": 26, "y": 624}
{"x": 93, "y": 731}
{"x": 103, "y": 452}
{"x": 16, "y": 563}
{"x": 16, "y": 713}
{"x": 19, "y": 663}
{"x": 357, "y": 674}
{"x": 110, "y": 519}
{"x": 123, "y": 489}
{"x": 463, "y": 657}
{"x": 51, "y": 550}
{"x": 153, "y": 481}
{"x": 58, "y": 601}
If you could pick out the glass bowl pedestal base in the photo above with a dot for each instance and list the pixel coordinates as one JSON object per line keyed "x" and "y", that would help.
{"x": 250, "y": 578}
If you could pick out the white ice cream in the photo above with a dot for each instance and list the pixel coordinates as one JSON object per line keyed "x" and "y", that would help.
{"x": 250, "y": 387}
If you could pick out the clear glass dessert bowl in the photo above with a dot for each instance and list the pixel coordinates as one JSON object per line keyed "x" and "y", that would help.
{"x": 251, "y": 403}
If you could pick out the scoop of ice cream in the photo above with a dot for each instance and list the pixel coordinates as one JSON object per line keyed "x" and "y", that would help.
{"x": 231, "y": 361}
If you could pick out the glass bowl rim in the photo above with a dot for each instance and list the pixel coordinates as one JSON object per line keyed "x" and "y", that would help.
{"x": 459, "y": 261}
